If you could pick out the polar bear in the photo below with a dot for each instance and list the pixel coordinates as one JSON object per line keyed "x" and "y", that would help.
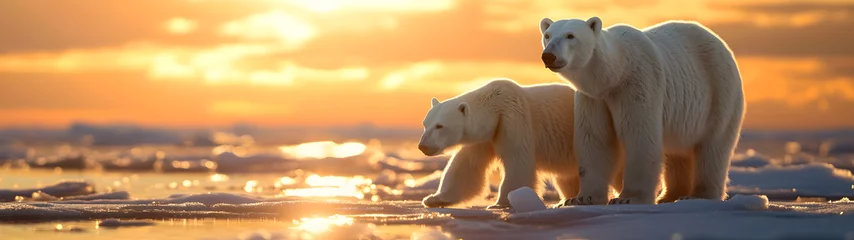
{"x": 666, "y": 98}
{"x": 527, "y": 129}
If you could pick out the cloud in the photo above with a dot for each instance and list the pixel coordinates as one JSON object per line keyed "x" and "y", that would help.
{"x": 93, "y": 24}
{"x": 794, "y": 29}
{"x": 326, "y": 6}
{"x": 827, "y": 113}
{"x": 416, "y": 72}
{"x": 126, "y": 57}
{"x": 217, "y": 65}
{"x": 452, "y": 78}
{"x": 520, "y": 16}
{"x": 835, "y": 67}
{"x": 794, "y": 81}
{"x": 786, "y": 7}
{"x": 276, "y": 25}
{"x": 246, "y": 108}
{"x": 181, "y": 25}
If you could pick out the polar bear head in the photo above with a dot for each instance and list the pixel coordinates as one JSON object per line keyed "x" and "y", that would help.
{"x": 444, "y": 126}
{"x": 568, "y": 44}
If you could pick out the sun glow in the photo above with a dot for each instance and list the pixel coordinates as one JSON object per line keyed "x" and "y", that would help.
{"x": 325, "y": 6}
{"x": 251, "y": 186}
{"x": 324, "y": 149}
{"x": 317, "y": 225}
{"x": 219, "y": 177}
{"x": 336, "y": 181}
{"x": 180, "y": 25}
{"x": 334, "y": 186}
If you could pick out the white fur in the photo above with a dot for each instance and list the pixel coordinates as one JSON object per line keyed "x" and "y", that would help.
{"x": 672, "y": 91}
{"x": 527, "y": 129}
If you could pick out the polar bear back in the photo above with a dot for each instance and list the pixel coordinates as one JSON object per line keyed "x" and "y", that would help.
{"x": 703, "y": 85}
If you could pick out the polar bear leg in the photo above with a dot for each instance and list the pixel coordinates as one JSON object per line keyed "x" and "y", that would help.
{"x": 566, "y": 186}
{"x": 617, "y": 183}
{"x": 710, "y": 172}
{"x": 519, "y": 171}
{"x": 638, "y": 121}
{"x": 595, "y": 150}
{"x": 464, "y": 178}
{"x": 678, "y": 177}
{"x": 713, "y": 161}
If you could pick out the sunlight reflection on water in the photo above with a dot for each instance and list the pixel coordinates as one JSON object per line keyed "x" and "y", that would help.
{"x": 318, "y": 224}
{"x": 324, "y": 149}
{"x": 334, "y": 186}
{"x": 331, "y": 227}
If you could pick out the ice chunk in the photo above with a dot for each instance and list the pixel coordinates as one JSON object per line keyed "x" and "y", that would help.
{"x": 525, "y": 199}
{"x": 123, "y": 223}
{"x": 814, "y": 179}
{"x": 64, "y": 188}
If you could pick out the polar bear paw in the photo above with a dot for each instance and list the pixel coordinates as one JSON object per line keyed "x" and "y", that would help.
{"x": 621, "y": 201}
{"x": 436, "y": 201}
{"x": 629, "y": 200}
{"x": 582, "y": 200}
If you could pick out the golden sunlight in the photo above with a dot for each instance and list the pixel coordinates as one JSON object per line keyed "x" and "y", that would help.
{"x": 324, "y": 149}
{"x": 276, "y": 25}
{"x": 250, "y": 186}
{"x": 336, "y": 181}
{"x": 287, "y": 181}
{"x": 219, "y": 177}
{"x": 325, "y": 6}
{"x": 180, "y": 25}
{"x": 318, "y": 224}
{"x": 333, "y": 186}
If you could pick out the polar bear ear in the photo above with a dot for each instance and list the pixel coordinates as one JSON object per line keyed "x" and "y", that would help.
{"x": 595, "y": 23}
{"x": 545, "y": 24}
{"x": 433, "y": 102}
{"x": 464, "y": 108}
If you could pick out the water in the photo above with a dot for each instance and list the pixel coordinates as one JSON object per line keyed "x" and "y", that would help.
{"x": 210, "y": 229}
{"x": 152, "y": 185}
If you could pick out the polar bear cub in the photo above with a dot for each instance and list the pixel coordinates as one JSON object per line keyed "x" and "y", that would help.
{"x": 669, "y": 98}
{"x": 527, "y": 130}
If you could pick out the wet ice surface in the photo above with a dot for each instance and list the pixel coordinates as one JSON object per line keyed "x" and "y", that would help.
{"x": 742, "y": 216}
{"x": 225, "y": 194}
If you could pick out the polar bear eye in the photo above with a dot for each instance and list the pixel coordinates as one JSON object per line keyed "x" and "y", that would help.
{"x": 570, "y": 36}
{"x": 439, "y": 126}
{"x": 546, "y": 36}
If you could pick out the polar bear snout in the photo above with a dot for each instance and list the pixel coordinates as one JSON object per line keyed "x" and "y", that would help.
{"x": 549, "y": 58}
{"x": 425, "y": 149}
{"x": 551, "y": 61}
{"x": 428, "y": 151}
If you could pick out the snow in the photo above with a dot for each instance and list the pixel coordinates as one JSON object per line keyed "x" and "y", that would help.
{"x": 813, "y": 179}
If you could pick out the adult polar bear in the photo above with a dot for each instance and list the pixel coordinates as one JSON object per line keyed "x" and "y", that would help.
{"x": 527, "y": 129}
{"x": 672, "y": 91}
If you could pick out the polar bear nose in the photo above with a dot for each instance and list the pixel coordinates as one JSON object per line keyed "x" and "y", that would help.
{"x": 549, "y": 58}
{"x": 423, "y": 148}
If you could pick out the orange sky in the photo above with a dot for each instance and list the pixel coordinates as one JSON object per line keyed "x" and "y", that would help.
{"x": 343, "y": 62}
